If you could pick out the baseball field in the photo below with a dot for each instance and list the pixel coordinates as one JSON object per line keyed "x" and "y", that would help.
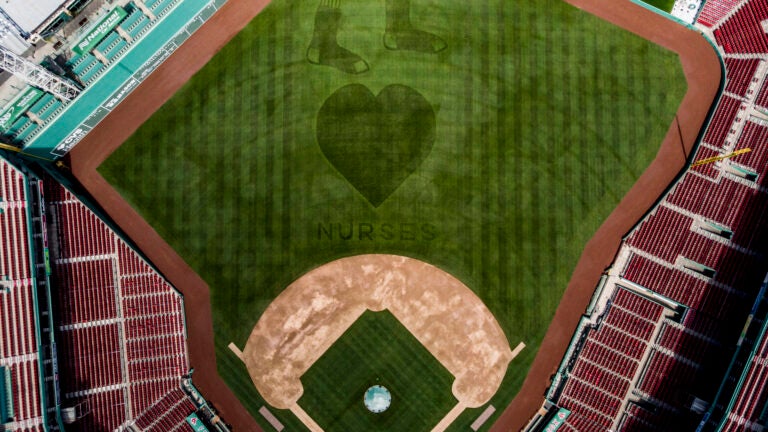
{"x": 489, "y": 140}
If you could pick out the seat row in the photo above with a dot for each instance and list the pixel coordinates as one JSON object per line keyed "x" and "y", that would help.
{"x": 742, "y": 32}
{"x": 14, "y": 248}
{"x": 603, "y": 379}
{"x": 168, "y": 412}
{"x": 740, "y": 75}
{"x": 17, "y": 322}
{"x": 123, "y": 324}
{"x": 81, "y": 233}
{"x": 722, "y": 121}
{"x": 753, "y": 389}
{"x": 715, "y": 10}
{"x": 89, "y": 290}
{"x": 90, "y": 357}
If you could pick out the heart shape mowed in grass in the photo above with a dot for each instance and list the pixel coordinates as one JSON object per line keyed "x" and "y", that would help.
{"x": 376, "y": 142}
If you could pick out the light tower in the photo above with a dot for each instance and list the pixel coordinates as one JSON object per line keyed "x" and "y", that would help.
{"x": 37, "y": 76}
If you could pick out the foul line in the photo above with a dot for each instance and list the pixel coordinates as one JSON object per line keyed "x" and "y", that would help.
{"x": 305, "y": 418}
{"x": 236, "y": 350}
{"x": 517, "y": 349}
{"x": 449, "y": 418}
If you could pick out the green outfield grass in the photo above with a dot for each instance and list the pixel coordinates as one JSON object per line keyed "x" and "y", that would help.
{"x": 542, "y": 118}
{"x": 377, "y": 349}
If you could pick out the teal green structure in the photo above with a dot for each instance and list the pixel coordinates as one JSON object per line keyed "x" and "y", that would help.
{"x": 123, "y": 76}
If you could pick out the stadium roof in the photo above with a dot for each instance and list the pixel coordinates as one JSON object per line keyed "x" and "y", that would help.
{"x": 30, "y": 14}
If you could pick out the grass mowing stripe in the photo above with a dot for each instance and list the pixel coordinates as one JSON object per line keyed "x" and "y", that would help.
{"x": 230, "y": 173}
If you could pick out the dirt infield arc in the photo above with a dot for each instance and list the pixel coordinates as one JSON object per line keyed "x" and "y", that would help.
{"x": 700, "y": 65}
{"x": 447, "y": 318}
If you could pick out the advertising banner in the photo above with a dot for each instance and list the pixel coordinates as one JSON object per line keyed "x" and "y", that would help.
{"x": 19, "y": 106}
{"x": 102, "y": 29}
{"x": 197, "y": 425}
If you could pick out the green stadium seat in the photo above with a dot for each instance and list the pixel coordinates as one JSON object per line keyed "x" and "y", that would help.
{"x": 91, "y": 73}
{"x": 18, "y": 125}
{"x": 107, "y": 41}
{"x": 131, "y": 19}
{"x": 26, "y": 132}
{"x": 50, "y": 109}
{"x": 114, "y": 52}
{"x": 41, "y": 103}
{"x": 88, "y": 61}
{"x": 139, "y": 26}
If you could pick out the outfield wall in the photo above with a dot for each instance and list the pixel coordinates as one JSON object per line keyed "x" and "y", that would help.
{"x": 96, "y": 102}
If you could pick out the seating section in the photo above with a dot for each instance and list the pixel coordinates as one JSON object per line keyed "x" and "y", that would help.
{"x": 667, "y": 378}
{"x": 741, "y": 73}
{"x": 743, "y": 32}
{"x": 89, "y": 288}
{"x": 684, "y": 341}
{"x": 168, "y": 414}
{"x": 602, "y": 374}
{"x": 699, "y": 254}
{"x": 715, "y": 10}
{"x": 753, "y": 393}
{"x": 91, "y": 358}
{"x": 43, "y": 109}
{"x": 755, "y": 137}
{"x": 88, "y": 67}
{"x": 722, "y": 121}
{"x": 46, "y": 107}
{"x": 762, "y": 96}
{"x": 20, "y": 129}
{"x": 637, "y": 418}
{"x": 19, "y": 354}
{"x": 160, "y": 7}
{"x": 122, "y": 338}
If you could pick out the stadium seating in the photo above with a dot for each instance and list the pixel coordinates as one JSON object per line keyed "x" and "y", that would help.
{"x": 742, "y": 32}
{"x": 121, "y": 325}
{"x": 636, "y": 350}
{"x": 722, "y": 121}
{"x": 755, "y": 137}
{"x": 715, "y": 10}
{"x": 138, "y": 26}
{"x": 106, "y": 43}
{"x": 18, "y": 325}
{"x": 609, "y": 359}
{"x": 167, "y": 413}
{"x": 24, "y": 132}
{"x": 752, "y": 393}
{"x": 716, "y": 201}
{"x": 161, "y": 7}
{"x": 740, "y": 74}
{"x": 762, "y": 96}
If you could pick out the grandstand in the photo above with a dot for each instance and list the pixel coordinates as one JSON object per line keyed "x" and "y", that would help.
{"x": 123, "y": 42}
{"x": 20, "y": 359}
{"x": 118, "y": 313}
{"x": 670, "y": 314}
{"x": 685, "y": 282}
{"x": 65, "y": 276}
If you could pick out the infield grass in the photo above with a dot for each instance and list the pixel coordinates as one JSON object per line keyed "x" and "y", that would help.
{"x": 544, "y": 118}
{"x": 377, "y": 349}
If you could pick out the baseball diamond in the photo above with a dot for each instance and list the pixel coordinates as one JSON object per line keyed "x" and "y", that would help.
{"x": 464, "y": 168}
{"x": 379, "y": 215}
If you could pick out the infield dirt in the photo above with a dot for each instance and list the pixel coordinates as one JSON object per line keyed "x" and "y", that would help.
{"x": 702, "y": 70}
{"x": 312, "y": 313}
